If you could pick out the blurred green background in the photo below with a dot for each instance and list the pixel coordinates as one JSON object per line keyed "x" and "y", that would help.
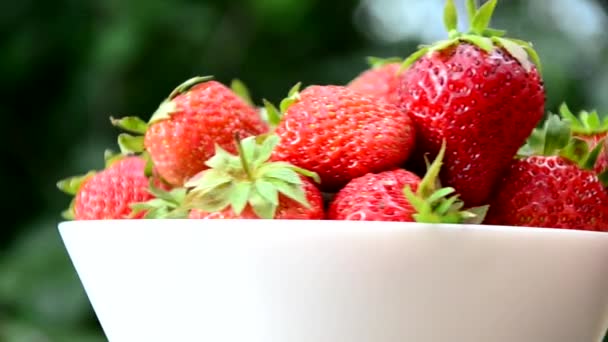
{"x": 67, "y": 65}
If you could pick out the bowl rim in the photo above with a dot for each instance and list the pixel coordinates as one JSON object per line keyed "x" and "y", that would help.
{"x": 341, "y": 225}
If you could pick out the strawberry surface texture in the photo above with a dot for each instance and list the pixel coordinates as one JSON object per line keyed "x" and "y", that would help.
{"x": 484, "y": 104}
{"x": 342, "y": 134}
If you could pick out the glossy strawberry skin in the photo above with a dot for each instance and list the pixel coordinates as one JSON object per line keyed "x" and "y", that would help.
{"x": 341, "y": 134}
{"x": 550, "y": 192}
{"x": 207, "y": 114}
{"x": 108, "y": 194}
{"x": 375, "y": 197}
{"x": 382, "y": 82}
{"x": 288, "y": 209}
{"x": 484, "y": 105}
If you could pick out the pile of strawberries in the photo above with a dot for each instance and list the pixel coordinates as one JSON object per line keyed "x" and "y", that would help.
{"x": 455, "y": 133}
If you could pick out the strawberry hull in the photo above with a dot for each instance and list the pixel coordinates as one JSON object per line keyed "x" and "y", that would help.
{"x": 327, "y": 281}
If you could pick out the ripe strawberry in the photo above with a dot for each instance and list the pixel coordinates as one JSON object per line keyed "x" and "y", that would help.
{"x": 399, "y": 195}
{"x": 341, "y": 134}
{"x": 181, "y": 134}
{"x": 248, "y": 186}
{"x": 480, "y": 92}
{"x": 108, "y": 194}
{"x": 553, "y": 186}
{"x": 382, "y": 80}
{"x": 375, "y": 197}
{"x": 589, "y": 127}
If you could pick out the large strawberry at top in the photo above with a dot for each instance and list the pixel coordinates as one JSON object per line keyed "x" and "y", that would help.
{"x": 481, "y": 93}
{"x": 182, "y": 133}
{"x": 342, "y": 134}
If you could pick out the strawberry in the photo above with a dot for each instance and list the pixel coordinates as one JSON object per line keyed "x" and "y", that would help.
{"x": 181, "y": 134}
{"x": 381, "y": 80}
{"x": 400, "y": 195}
{"x": 479, "y": 91}
{"x": 341, "y": 134}
{"x": 593, "y": 130}
{"x": 552, "y": 185}
{"x": 375, "y": 197}
{"x": 249, "y": 186}
{"x": 108, "y": 194}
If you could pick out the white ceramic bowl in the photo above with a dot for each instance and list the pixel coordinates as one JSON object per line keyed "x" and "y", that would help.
{"x": 340, "y": 281}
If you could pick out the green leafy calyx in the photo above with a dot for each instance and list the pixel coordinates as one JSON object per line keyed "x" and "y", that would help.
{"x": 275, "y": 114}
{"x": 585, "y": 123}
{"x": 241, "y": 90}
{"x": 555, "y": 138}
{"x": 248, "y": 178}
{"x": 132, "y": 141}
{"x": 436, "y": 204}
{"x": 479, "y": 34}
{"x": 166, "y": 204}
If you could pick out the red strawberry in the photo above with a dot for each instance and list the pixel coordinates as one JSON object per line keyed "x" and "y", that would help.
{"x": 477, "y": 90}
{"x": 554, "y": 188}
{"x": 382, "y": 80}
{"x": 375, "y": 197}
{"x": 593, "y": 130}
{"x": 248, "y": 186}
{"x": 110, "y": 193}
{"x": 399, "y": 195}
{"x": 181, "y": 134}
{"x": 341, "y": 134}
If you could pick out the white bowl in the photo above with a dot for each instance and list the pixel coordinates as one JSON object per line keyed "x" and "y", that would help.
{"x": 335, "y": 281}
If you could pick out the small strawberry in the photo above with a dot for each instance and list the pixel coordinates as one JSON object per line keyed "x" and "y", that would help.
{"x": 382, "y": 80}
{"x": 591, "y": 128}
{"x": 480, "y": 92}
{"x": 341, "y": 134}
{"x": 247, "y": 185}
{"x": 399, "y": 195}
{"x": 553, "y": 186}
{"x": 375, "y": 197}
{"x": 108, "y": 194}
{"x": 181, "y": 134}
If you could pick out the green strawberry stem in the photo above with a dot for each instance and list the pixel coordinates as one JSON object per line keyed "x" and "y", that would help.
{"x": 479, "y": 34}
{"x": 243, "y": 156}
{"x": 434, "y": 204}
